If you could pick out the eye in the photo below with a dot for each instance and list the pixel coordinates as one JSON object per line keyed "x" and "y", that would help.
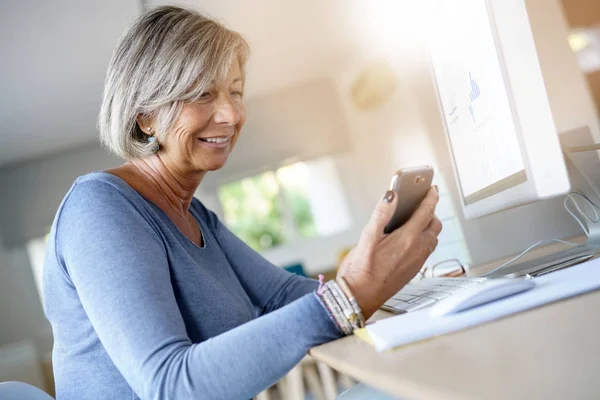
{"x": 205, "y": 95}
{"x": 237, "y": 93}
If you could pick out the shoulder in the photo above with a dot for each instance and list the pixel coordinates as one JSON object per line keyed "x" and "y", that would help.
{"x": 101, "y": 198}
{"x": 101, "y": 208}
{"x": 100, "y": 188}
{"x": 102, "y": 182}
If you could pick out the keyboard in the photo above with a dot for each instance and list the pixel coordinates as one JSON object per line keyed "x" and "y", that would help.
{"x": 425, "y": 293}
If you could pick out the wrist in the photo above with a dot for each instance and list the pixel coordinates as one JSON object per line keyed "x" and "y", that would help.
{"x": 356, "y": 316}
{"x": 341, "y": 304}
{"x": 359, "y": 290}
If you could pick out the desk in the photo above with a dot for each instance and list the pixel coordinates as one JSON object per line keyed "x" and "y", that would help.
{"x": 552, "y": 352}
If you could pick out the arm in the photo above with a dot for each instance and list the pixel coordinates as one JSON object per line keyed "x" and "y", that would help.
{"x": 116, "y": 260}
{"x": 268, "y": 286}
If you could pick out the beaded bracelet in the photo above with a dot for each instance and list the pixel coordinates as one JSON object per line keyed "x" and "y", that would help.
{"x": 337, "y": 312}
{"x": 333, "y": 307}
{"x": 340, "y": 297}
{"x": 346, "y": 289}
{"x": 341, "y": 305}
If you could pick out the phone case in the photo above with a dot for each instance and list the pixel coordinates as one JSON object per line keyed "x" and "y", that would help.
{"x": 411, "y": 186}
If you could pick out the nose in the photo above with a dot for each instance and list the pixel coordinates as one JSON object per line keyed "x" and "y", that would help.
{"x": 226, "y": 111}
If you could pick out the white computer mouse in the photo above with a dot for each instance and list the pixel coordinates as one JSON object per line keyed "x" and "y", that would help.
{"x": 476, "y": 295}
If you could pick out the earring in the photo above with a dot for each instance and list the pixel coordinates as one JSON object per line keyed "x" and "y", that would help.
{"x": 154, "y": 142}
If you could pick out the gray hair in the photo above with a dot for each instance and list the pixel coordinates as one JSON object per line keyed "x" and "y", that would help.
{"x": 168, "y": 57}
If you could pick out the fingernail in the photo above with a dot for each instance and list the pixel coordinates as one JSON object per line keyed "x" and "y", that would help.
{"x": 437, "y": 189}
{"x": 389, "y": 196}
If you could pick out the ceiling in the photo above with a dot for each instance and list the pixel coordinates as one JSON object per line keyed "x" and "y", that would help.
{"x": 54, "y": 56}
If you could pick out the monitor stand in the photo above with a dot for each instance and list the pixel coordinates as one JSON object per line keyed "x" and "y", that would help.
{"x": 583, "y": 163}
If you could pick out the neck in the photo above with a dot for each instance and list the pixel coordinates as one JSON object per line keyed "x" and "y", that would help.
{"x": 175, "y": 186}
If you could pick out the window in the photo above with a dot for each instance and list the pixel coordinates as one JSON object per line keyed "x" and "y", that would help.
{"x": 296, "y": 201}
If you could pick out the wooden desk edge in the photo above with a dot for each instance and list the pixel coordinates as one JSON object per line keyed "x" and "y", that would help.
{"x": 400, "y": 387}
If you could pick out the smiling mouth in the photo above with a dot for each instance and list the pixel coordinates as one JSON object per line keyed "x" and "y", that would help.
{"x": 216, "y": 140}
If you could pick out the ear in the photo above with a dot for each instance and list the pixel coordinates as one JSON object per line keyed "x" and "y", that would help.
{"x": 146, "y": 124}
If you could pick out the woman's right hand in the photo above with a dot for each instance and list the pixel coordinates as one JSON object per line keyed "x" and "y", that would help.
{"x": 381, "y": 264}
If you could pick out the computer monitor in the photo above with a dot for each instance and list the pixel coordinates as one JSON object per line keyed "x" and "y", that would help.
{"x": 499, "y": 125}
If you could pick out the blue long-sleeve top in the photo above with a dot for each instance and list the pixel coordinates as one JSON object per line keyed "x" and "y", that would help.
{"x": 138, "y": 311}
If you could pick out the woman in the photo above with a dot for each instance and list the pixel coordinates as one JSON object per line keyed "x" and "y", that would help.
{"x": 148, "y": 293}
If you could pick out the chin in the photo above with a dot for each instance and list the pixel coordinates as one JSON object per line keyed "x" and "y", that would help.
{"x": 213, "y": 165}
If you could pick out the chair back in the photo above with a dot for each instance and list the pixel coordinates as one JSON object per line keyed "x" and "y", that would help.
{"x": 22, "y": 391}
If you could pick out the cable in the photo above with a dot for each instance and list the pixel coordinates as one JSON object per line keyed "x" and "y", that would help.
{"x": 528, "y": 250}
{"x": 591, "y": 204}
{"x": 571, "y": 196}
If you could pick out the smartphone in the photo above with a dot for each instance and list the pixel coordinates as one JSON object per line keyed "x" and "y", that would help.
{"x": 411, "y": 186}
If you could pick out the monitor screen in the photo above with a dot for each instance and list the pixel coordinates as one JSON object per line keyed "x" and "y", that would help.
{"x": 475, "y": 99}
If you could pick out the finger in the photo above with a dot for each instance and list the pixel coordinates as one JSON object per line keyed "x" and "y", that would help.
{"x": 433, "y": 246}
{"x": 429, "y": 241}
{"x": 424, "y": 214}
{"x": 384, "y": 210}
{"x": 435, "y": 226}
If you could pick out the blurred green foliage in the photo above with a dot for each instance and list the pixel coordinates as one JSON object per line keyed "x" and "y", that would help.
{"x": 256, "y": 208}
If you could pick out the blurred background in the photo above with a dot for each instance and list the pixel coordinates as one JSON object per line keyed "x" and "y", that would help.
{"x": 339, "y": 96}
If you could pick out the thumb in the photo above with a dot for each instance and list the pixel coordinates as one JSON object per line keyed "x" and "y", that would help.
{"x": 384, "y": 210}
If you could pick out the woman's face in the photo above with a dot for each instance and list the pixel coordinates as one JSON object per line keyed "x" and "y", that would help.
{"x": 206, "y": 131}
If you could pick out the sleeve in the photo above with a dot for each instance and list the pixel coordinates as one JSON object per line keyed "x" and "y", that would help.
{"x": 268, "y": 286}
{"x": 118, "y": 265}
